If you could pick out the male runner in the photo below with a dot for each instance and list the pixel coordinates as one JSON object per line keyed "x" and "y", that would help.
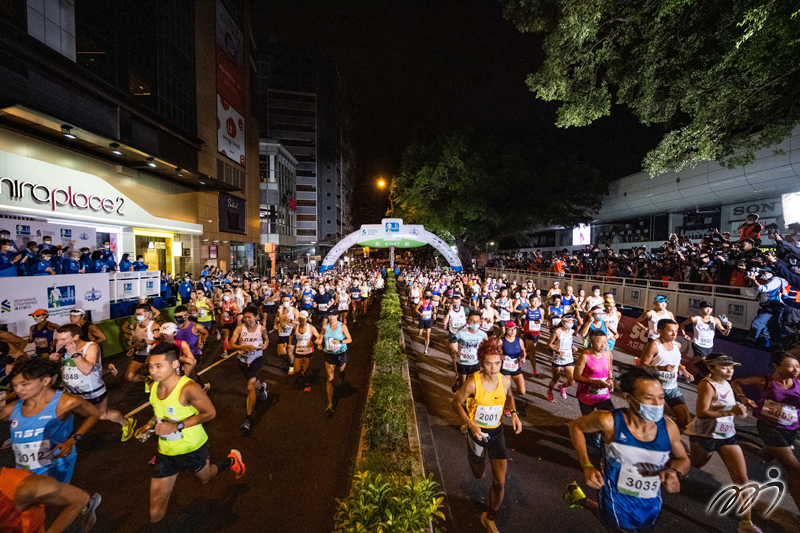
{"x": 82, "y": 372}
{"x": 285, "y": 321}
{"x": 424, "y": 310}
{"x": 465, "y": 356}
{"x": 144, "y": 336}
{"x": 703, "y": 326}
{"x": 42, "y": 435}
{"x": 664, "y": 354}
{"x": 641, "y": 450}
{"x": 453, "y": 321}
{"x": 486, "y": 392}
{"x": 180, "y": 408}
{"x": 305, "y": 336}
{"x": 230, "y": 317}
{"x": 250, "y": 338}
{"x": 335, "y": 337}
{"x": 194, "y": 334}
{"x": 652, "y": 317}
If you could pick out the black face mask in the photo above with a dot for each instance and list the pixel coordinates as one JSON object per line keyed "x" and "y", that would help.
{"x": 180, "y": 319}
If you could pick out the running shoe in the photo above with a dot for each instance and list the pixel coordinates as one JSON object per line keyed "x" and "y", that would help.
{"x": 563, "y": 393}
{"x": 507, "y": 412}
{"x": 127, "y": 431}
{"x": 291, "y": 371}
{"x": 6, "y": 444}
{"x": 574, "y": 495}
{"x": 206, "y": 386}
{"x": 88, "y": 516}
{"x": 454, "y": 388}
{"x": 550, "y": 397}
{"x": 535, "y": 373}
{"x": 329, "y": 409}
{"x": 238, "y": 465}
{"x": 245, "y": 425}
{"x": 262, "y": 393}
{"x": 307, "y": 388}
{"x": 749, "y": 527}
{"x": 489, "y": 524}
{"x": 112, "y": 370}
{"x": 152, "y": 461}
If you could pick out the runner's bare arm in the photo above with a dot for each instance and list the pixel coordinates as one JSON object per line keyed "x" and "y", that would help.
{"x": 755, "y": 381}
{"x": 85, "y": 363}
{"x": 347, "y": 338}
{"x": 44, "y": 490}
{"x": 95, "y": 335}
{"x": 650, "y": 350}
{"x": 597, "y": 422}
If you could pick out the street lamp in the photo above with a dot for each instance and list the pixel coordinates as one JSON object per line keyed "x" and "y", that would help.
{"x": 381, "y": 184}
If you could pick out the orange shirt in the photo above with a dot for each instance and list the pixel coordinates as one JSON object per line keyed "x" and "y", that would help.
{"x": 29, "y": 521}
{"x": 737, "y": 278}
{"x": 558, "y": 266}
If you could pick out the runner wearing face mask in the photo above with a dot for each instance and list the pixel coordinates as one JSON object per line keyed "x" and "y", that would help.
{"x": 305, "y": 336}
{"x": 454, "y": 320}
{"x": 285, "y": 321}
{"x": 532, "y": 327}
{"x": 563, "y": 358}
{"x": 41, "y": 333}
{"x": 465, "y": 356}
{"x": 230, "y": 313}
{"x": 641, "y": 451}
{"x": 425, "y": 310}
{"x": 194, "y": 334}
{"x": 143, "y": 338}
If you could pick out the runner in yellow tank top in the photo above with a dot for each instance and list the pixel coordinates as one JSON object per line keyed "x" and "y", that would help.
{"x": 180, "y": 408}
{"x": 485, "y": 393}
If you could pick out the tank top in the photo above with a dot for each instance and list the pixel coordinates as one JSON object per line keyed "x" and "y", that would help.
{"x": 612, "y": 320}
{"x": 414, "y": 296}
{"x": 42, "y": 339}
{"x": 628, "y": 499}
{"x": 703, "y": 334}
{"x": 304, "y": 345}
{"x": 76, "y": 382}
{"x": 28, "y": 521}
{"x": 665, "y": 357}
{"x": 188, "y": 336}
{"x": 204, "y": 313}
{"x": 503, "y": 309}
{"x": 778, "y": 406}
{"x": 652, "y": 323}
{"x": 596, "y": 368}
{"x": 716, "y": 428}
{"x": 145, "y": 334}
{"x": 170, "y": 410}
{"x": 334, "y": 334}
{"x": 308, "y": 299}
{"x": 238, "y": 295}
{"x": 556, "y": 312}
{"x": 227, "y": 312}
{"x": 486, "y": 408}
{"x": 531, "y": 316}
{"x": 426, "y": 309}
{"x": 522, "y": 304}
{"x": 593, "y": 301}
{"x": 355, "y": 293}
{"x": 253, "y": 339}
{"x": 286, "y": 329}
{"x": 511, "y": 353}
{"x": 592, "y": 327}
{"x": 456, "y": 320}
{"x": 564, "y": 354}
{"x": 33, "y": 438}
{"x": 487, "y": 319}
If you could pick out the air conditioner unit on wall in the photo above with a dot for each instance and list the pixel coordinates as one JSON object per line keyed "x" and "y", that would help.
{"x": 187, "y": 252}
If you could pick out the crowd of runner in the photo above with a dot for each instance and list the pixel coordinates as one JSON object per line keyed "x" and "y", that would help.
{"x": 494, "y": 326}
{"x": 42, "y": 391}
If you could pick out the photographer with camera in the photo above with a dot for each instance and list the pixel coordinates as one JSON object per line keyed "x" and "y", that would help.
{"x": 770, "y": 289}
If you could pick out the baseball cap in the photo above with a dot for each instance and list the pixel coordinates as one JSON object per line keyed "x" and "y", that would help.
{"x": 510, "y": 324}
{"x": 705, "y": 303}
{"x": 169, "y": 328}
{"x": 303, "y": 314}
{"x": 720, "y": 359}
{"x": 609, "y": 301}
{"x": 660, "y": 298}
{"x": 555, "y": 283}
{"x": 78, "y": 312}
{"x": 39, "y": 312}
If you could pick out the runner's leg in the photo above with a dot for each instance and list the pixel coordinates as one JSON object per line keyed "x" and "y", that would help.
{"x": 160, "y": 491}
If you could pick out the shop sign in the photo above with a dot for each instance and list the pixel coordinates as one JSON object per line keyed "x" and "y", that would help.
{"x": 57, "y": 197}
{"x": 232, "y": 214}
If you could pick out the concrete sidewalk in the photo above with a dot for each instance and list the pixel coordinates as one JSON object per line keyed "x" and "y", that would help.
{"x": 542, "y": 461}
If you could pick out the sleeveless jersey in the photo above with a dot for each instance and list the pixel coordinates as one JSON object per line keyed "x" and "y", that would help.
{"x": 666, "y": 357}
{"x": 504, "y": 309}
{"x": 188, "y": 336}
{"x": 286, "y": 329}
{"x": 628, "y": 499}
{"x": 355, "y": 293}
{"x": 308, "y": 299}
{"x": 334, "y": 334}
{"x": 652, "y": 322}
{"x": 140, "y": 335}
{"x": 716, "y": 428}
{"x": 42, "y": 339}
{"x": 170, "y": 410}
{"x": 253, "y": 339}
{"x": 33, "y": 438}
{"x": 426, "y": 309}
{"x": 204, "y": 313}
{"x": 778, "y": 406}
{"x": 531, "y": 316}
{"x": 456, "y": 320}
{"x": 512, "y": 350}
{"x": 596, "y": 368}
{"x": 487, "y": 319}
{"x": 76, "y": 382}
{"x": 703, "y": 334}
{"x": 486, "y": 408}
{"x": 564, "y": 354}
{"x": 304, "y": 341}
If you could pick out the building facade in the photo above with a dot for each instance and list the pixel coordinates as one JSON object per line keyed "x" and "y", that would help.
{"x": 303, "y": 103}
{"x": 131, "y": 125}
{"x": 278, "y": 177}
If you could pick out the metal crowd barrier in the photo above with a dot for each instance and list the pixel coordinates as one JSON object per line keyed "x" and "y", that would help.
{"x": 684, "y": 298}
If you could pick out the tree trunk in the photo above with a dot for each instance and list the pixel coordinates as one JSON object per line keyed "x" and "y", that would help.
{"x": 465, "y": 253}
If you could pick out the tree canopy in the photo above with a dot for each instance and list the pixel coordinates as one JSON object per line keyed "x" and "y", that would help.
{"x": 713, "y": 72}
{"x": 468, "y": 188}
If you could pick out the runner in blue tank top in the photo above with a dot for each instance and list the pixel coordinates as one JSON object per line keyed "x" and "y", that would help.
{"x": 41, "y": 420}
{"x": 641, "y": 451}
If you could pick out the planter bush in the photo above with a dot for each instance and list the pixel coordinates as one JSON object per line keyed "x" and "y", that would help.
{"x": 388, "y": 356}
{"x": 389, "y": 504}
{"x": 385, "y": 416}
{"x": 389, "y": 329}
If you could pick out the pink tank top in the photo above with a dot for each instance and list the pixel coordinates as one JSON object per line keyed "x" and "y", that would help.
{"x": 594, "y": 369}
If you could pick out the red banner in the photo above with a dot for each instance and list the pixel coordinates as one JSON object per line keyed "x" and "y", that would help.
{"x": 230, "y": 82}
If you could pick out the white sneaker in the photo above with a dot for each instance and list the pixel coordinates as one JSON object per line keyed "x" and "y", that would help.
{"x": 206, "y": 387}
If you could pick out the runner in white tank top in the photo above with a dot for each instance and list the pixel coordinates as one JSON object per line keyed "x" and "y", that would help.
{"x": 652, "y": 317}
{"x": 305, "y": 335}
{"x": 703, "y": 329}
{"x": 563, "y": 358}
{"x": 250, "y": 339}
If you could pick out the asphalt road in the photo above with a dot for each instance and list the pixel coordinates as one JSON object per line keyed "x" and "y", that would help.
{"x": 298, "y": 459}
{"x": 542, "y": 460}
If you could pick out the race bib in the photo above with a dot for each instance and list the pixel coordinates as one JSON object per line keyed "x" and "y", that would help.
{"x": 724, "y": 427}
{"x": 779, "y": 413}
{"x": 175, "y": 435}
{"x": 343, "y": 306}
{"x": 488, "y": 416}
{"x": 226, "y": 316}
{"x": 426, "y": 315}
{"x": 469, "y": 355}
{"x": 533, "y": 327}
{"x": 323, "y": 307}
{"x": 504, "y": 315}
{"x": 331, "y": 347}
{"x": 705, "y": 339}
{"x": 556, "y": 320}
{"x": 511, "y": 364}
{"x": 202, "y": 313}
{"x": 668, "y": 378}
{"x": 286, "y": 330}
{"x": 632, "y": 483}
{"x": 40, "y": 342}
{"x": 32, "y": 455}
{"x": 415, "y": 300}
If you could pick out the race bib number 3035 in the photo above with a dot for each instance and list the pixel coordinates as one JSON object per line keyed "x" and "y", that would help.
{"x": 632, "y": 483}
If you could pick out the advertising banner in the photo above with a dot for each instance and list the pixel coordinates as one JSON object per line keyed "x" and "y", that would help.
{"x": 19, "y": 297}
{"x": 73, "y": 237}
{"x": 230, "y": 87}
{"x": 230, "y": 131}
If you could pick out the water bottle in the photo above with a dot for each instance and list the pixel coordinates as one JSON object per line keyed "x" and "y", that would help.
{"x": 723, "y": 318}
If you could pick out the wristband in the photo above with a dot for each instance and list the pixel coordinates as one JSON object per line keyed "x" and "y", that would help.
{"x": 514, "y": 412}
{"x": 588, "y": 465}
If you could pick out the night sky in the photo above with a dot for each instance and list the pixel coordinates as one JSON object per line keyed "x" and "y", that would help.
{"x": 418, "y": 68}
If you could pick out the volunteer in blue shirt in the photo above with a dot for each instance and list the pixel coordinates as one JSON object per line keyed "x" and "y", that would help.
{"x": 72, "y": 264}
{"x": 44, "y": 266}
{"x": 185, "y": 288}
{"x": 108, "y": 256}
{"x": 139, "y": 265}
{"x": 96, "y": 264}
{"x": 6, "y": 235}
{"x": 9, "y": 259}
{"x": 125, "y": 264}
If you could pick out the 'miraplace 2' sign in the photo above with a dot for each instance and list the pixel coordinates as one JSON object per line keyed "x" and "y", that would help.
{"x": 59, "y": 197}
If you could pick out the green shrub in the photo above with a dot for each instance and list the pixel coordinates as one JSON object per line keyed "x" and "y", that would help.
{"x": 396, "y": 458}
{"x": 389, "y": 329}
{"x": 385, "y": 415}
{"x": 388, "y": 356}
{"x": 389, "y": 504}
{"x": 391, "y": 309}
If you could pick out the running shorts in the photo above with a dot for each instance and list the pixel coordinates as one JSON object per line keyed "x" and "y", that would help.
{"x": 170, "y": 465}
{"x": 252, "y": 370}
{"x": 495, "y": 447}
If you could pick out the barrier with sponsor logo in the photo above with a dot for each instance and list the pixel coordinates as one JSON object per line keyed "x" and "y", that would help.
{"x": 21, "y": 296}
{"x": 126, "y": 285}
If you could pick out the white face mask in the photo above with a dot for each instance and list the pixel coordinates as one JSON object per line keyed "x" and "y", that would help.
{"x": 287, "y": 304}
{"x": 40, "y": 319}
{"x": 226, "y": 298}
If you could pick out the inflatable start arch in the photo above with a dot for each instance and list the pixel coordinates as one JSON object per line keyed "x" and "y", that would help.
{"x": 391, "y": 233}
